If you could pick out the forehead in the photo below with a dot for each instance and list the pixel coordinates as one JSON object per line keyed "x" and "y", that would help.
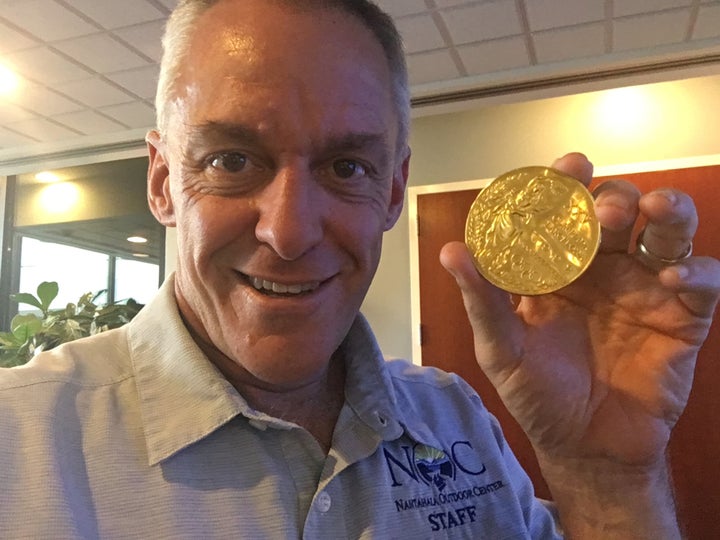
{"x": 275, "y": 54}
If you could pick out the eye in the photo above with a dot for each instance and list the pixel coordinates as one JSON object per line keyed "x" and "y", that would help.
{"x": 347, "y": 168}
{"x": 229, "y": 161}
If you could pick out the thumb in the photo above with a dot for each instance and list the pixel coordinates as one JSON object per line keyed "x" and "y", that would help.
{"x": 497, "y": 330}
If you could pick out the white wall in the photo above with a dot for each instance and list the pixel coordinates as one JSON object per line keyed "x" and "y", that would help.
{"x": 672, "y": 120}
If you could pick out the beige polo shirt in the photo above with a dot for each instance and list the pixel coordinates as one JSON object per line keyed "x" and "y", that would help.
{"x": 134, "y": 434}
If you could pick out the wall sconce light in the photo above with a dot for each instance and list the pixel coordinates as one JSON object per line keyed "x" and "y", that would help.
{"x": 59, "y": 198}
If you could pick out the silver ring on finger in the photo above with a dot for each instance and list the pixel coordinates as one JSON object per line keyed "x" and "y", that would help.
{"x": 653, "y": 261}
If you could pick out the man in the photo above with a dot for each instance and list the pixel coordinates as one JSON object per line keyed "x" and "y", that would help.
{"x": 250, "y": 399}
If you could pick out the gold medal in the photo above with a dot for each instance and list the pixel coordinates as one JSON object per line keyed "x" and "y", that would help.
{"x": 532, "y": 230}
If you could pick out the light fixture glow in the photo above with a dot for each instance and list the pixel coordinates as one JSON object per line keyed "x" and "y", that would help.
{"x": 624, "y": 111}
{"x": 59, "y": 198}
{"x": 9, "y": 82}
{"x": 46, "y": 177}
{"x": 137, "y": 239}
{"x": 141, "y": 255}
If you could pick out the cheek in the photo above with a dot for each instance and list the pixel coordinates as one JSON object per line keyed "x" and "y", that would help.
{"x": 359, "y": 228}
{"x": 207, "y": 225}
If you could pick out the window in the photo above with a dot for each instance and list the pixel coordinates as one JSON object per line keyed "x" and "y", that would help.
{"x": 77, "y": 271}
{"x": 89, "y": 229}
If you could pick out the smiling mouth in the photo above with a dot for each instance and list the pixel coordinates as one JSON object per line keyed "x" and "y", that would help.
{"x": 274, "y": 288}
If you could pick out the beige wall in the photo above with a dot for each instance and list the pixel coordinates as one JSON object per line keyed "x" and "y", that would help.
{"x": 672, "y": 120}
{"x": 96, "y": 198}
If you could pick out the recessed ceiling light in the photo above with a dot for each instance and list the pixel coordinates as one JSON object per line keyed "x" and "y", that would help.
{"x": 141, "y": 255}
{"x": 137, "y": 239}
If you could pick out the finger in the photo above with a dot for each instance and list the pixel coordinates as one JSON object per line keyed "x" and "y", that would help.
{"x": 697, "y": 281}
{"x": 616, "y": 206}
{"x": 672, "y": 222}
{"x": 576, "y": 165}
{"x": 496, "y": 328}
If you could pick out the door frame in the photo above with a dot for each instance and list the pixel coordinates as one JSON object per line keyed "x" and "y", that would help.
{"x": 415, "y": 191}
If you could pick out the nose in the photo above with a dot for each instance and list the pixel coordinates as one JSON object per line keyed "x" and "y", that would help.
{"x": 290, "y": 213}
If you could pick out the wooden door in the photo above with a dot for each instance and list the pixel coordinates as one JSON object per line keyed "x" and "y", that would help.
{"x": 447, "y": 343}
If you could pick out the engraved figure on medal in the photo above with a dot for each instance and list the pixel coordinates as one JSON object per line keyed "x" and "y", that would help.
{"x": 532, "y": 230}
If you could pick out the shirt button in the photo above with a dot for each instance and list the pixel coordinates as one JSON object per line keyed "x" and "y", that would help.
{"x": 324, "y": 501}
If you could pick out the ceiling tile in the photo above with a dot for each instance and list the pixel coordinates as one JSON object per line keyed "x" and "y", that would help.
{"x": 43, "y": 101}
{"x": 636, "y": 7}
{"x": 118, "y": 13}
{"x": 141, "y": 82}
{"x": 94, "y": 92}
{"x": 496, "y": 55}
{"x": 101, "y": 53}
{"x": 452, "y": 3}
{"x": 42, "y": 130}
{"x": 431, "y": 66}
{"x": 12, "y": 40}
{"x": 89, "y": 122}
{"x": 45, "y": 65}
{"x": 12, "y": 113}
{"x": 170, "y": 4}
{"x": 479, "y": 22}
{"x": 146, "y": 38}
{"x": 650, "y": 30}
{"x": 546, "y": 14}
{"x": 708, "y": 22}
{"x": 8, "y": 139}
{"x": 45, "y": 19}
{"x": 399, "y": 8}
{"x": 569, "y": 43}
{"x": 134, "y": 115}
{"x": 420, "y": 34}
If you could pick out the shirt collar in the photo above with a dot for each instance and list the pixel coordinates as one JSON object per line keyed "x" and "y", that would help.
{"x": 183, "y": 396}
{"x": 370, "y": 389}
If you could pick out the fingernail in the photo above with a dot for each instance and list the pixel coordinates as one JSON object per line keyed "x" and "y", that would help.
{"x": 613, "y": 199}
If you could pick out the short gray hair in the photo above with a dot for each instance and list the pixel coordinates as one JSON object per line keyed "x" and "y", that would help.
{"x": 178, "y": 32}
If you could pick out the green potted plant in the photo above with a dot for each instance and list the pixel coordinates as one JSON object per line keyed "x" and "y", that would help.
{"x": 31, "y": 333}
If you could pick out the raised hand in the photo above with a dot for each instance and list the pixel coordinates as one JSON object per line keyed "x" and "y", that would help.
{"x": 598, "y": 373}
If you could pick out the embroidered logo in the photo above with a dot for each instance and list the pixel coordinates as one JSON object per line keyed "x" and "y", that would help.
{"x": 433, "y": 465}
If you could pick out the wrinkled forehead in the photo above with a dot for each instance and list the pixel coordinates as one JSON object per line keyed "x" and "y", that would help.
{"x": 267, "y": 30}
{"x": 251, "y": 43}
{"x": 319, "y": 72}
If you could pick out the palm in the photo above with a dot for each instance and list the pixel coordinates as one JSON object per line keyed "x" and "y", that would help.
{"x": 605, "y": 365}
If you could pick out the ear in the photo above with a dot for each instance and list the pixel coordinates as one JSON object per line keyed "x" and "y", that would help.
{"x": 397, "y": 194}
{"x": 158, "y": 180}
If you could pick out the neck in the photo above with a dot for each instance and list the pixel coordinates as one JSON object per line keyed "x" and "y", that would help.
{"x": 314, "y": 405}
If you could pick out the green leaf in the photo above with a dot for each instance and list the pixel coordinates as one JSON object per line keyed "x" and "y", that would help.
{"x": 23, "y": 327}
{"x": 47, "y": 291}
{"x": 27, "y": 298}
{"x": 8, "y": 340}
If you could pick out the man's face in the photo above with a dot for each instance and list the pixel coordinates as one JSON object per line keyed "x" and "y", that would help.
{"x": 280, "y": 171}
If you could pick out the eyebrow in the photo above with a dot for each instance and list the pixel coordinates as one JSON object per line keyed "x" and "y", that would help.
{"x": 215, "y": 131}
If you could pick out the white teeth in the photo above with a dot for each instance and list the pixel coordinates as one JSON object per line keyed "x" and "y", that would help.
{"x": 280, "y": 288}
{"x": 276, "y": 287}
